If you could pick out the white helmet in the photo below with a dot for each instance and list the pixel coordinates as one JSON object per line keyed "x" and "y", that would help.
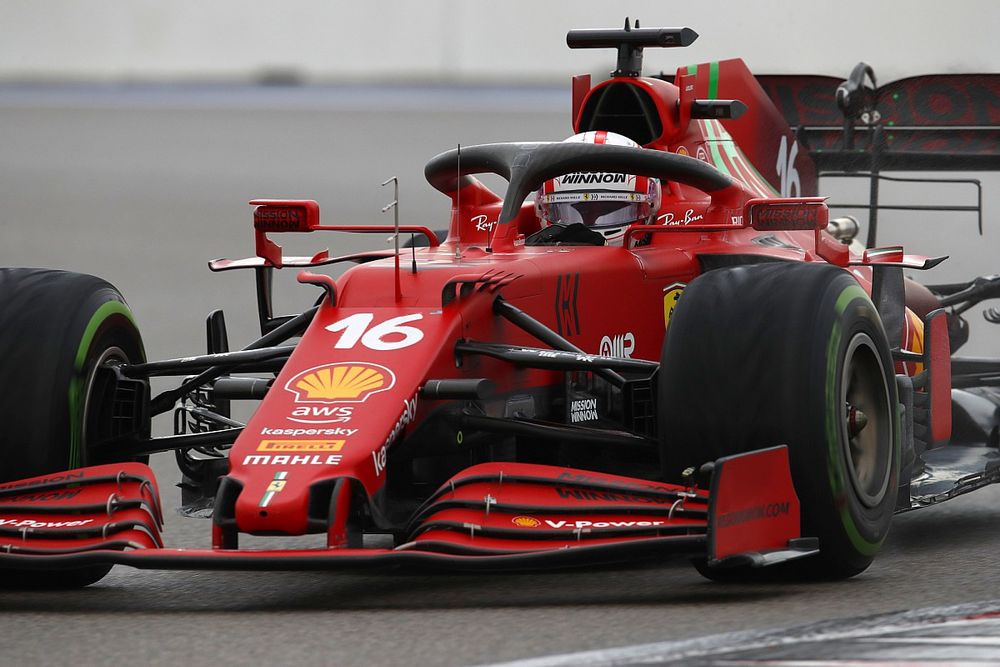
{"x": 605, "y": 202}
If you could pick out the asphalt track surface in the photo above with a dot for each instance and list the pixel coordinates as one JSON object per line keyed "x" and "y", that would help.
{"x": 957, "y": 635}
{"x": 143, "y": 189}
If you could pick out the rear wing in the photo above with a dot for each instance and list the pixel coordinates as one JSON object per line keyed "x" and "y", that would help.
{"x": 853, "y": 128}
{"x": 936, "y": 122}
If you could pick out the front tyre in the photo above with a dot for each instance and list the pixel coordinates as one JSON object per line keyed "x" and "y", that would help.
{"x": 794, "y": 354}
{"x": 61, "y": 335}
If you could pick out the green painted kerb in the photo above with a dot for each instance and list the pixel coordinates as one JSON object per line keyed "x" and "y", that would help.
{"x": 76, "y": 398}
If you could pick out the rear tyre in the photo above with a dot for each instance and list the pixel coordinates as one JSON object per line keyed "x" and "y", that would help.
{"x": 793, "y": 354}
{"x": 60, "y": 335}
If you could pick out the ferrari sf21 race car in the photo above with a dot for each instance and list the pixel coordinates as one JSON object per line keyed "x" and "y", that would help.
{"x": 741, "y": 382}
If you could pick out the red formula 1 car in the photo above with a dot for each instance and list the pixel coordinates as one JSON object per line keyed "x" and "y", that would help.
{"x": 739, "y": 383}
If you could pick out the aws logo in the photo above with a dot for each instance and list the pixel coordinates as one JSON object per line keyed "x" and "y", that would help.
{"x": 345, "y": 382}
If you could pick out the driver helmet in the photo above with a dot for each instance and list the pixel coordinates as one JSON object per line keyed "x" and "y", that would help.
{"x": 607, "y": 203}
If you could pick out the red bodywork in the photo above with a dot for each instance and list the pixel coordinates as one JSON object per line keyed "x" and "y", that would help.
{"x": 349, "y": 400}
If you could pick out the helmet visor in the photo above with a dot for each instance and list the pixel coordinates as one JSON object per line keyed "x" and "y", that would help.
{"x": 594, "y": 209}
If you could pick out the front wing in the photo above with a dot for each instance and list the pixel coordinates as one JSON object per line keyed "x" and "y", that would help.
{"x": 494, "y": 517}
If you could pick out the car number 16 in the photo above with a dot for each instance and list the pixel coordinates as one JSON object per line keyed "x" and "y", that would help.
{"x": 391, "y": 334}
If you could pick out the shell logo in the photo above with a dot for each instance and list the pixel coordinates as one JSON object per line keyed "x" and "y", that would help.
{"x": 346, "y": 382}
{"x": 526, "y": 522}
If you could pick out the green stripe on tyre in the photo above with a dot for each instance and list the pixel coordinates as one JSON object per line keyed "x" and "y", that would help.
{"x": 76, "y": 399}
{"x": 849, "y": 294}
{"x": 835, "y": 469}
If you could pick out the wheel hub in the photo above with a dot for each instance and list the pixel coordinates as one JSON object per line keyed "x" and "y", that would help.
{"x": 856, "y": 421}
{"x": 867, "y": 421}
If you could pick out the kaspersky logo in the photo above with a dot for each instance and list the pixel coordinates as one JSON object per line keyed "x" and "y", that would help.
{"x": 345, "y": 382}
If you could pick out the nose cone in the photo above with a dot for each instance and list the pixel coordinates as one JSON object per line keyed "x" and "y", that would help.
{"x": 345, "y": 395}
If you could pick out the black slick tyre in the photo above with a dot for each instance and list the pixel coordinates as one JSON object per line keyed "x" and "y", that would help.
{"x": 60, "y": 334}
{"x": 794, "y": 354}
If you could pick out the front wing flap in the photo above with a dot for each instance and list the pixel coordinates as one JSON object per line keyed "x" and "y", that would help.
{"x": 100, "y": 508}
{"x": 493, "y": 516}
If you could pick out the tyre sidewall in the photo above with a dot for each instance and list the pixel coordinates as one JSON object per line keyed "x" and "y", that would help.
{"x": 110, "y": 326}
{"x": 56, "y": 325}
{"x": 754, "y": 358}
{"x": 849, "y": 530}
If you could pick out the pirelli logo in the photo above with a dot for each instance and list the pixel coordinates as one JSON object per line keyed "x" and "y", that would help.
{"x": 300, "y": 445}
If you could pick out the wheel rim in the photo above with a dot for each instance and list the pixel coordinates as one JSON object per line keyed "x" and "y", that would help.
{"x": 866, "y": 426}
{"x": 112, "y": 356}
